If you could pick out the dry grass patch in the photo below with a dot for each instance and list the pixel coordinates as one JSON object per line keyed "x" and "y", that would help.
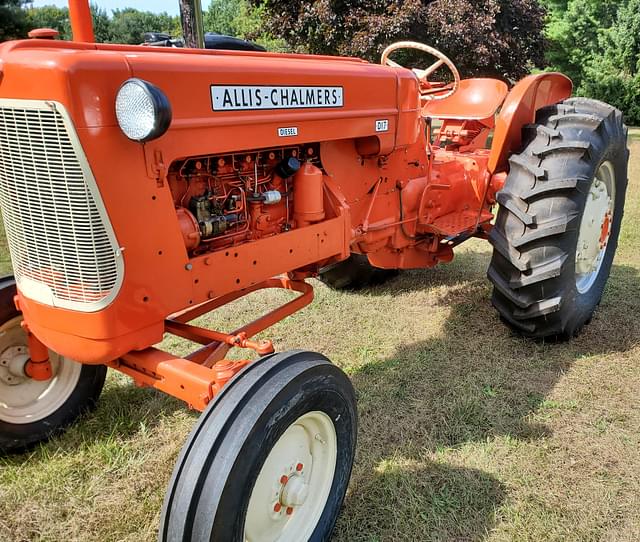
{"x": 467, "y": 432}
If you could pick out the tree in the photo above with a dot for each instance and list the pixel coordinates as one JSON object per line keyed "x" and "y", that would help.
{"x": 50, "y": 17}
{"x": 613, "y": 74}
{"x": 129, "y": 25}
{"x": 502, "y": 38}
{"x": 241, "y": 19}
{"x": 13, "y": 23}
{"x": 58, "y": 18}
{"x": 597, "y": 43}
{"x": 575, "y": 31}
{"x": 101, "y": 24}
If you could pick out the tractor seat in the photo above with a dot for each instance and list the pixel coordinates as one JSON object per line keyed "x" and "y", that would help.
{"x": 475, "y": 99}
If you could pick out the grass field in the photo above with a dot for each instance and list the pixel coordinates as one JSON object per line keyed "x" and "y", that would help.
{"x": 467, "y": 432}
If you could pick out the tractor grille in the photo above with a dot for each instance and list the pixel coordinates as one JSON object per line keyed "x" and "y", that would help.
{"x": 62, "y": 246}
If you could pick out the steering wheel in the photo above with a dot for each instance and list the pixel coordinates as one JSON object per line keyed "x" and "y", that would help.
{"x": 428, "y": 90}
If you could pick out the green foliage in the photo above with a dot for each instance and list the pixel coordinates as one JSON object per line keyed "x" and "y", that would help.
{"x": 501, "y": 38}
{"x": 13, "y": 23}
{"x": 101, "y": 25}
{"x": 597, "y": 43}
{"x": 124, "y": 26}
{"x": 129, "y": 25}
{"x": 50, "y": 17}
{"x": 574, "y": 31}
{"x": 241, "y": 19}
{"x": 231, "y": 17}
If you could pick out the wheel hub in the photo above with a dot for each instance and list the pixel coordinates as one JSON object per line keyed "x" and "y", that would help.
{"x": 294, "y": 483}
{"x": 595, "y": 227}
{"x": 12, "y": 363}
{"x": 24, "y": 400}
{"x": 294, "y": 492}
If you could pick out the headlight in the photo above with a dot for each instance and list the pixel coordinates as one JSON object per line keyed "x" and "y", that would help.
{"x": 143, "y": 111}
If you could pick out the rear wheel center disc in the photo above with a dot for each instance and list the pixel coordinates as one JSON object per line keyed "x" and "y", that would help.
{"x": 595, "y": 227}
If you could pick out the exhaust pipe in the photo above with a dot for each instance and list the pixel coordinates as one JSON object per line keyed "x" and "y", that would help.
{"x": 81, "y": 21}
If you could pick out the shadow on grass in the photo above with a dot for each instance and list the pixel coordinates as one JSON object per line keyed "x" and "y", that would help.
{"x": 474, "y": 382}
{"x": 477, "y": 381}
{"x": 122, "y": 414}
{"x": 464, "y": 265}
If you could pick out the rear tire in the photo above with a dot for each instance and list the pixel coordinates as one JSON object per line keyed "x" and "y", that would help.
{"x": 30, "y": 411}
{"x": 269, "y": 459}
{"x": 568, "y": 181}
{"x": 355, "y": 273}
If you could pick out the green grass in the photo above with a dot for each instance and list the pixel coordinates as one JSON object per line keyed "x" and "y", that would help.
{"x": 467, "y": 432}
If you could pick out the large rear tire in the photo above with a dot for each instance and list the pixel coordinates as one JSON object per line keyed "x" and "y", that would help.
{"x": 269, "y": 459}
{"x": 355, "y": 273}
{"x": 33, "y": 411}
{"x": 557, "y": 229}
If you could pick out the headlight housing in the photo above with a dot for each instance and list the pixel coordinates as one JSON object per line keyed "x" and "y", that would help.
{"x": 142, "y": 110}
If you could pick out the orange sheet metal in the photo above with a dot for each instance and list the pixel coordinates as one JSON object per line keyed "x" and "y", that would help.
{"x": 81, "y": 21}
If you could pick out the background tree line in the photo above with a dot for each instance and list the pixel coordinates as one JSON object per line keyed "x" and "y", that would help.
{"x": 595, "y": 42}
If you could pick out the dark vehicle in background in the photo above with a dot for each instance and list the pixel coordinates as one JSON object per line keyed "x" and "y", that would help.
{"x": 211, "y": 41}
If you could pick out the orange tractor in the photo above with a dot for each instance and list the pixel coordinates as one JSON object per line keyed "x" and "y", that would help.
{"x": 144, "y": 187}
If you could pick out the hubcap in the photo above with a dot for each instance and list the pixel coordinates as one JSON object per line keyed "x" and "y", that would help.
{"x": 23, "y": 400}
{"x": 595, "y": 227}
{"x": 294, "y": 483}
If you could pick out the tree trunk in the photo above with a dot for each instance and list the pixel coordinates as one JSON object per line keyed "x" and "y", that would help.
{"x": 192, "y": 26}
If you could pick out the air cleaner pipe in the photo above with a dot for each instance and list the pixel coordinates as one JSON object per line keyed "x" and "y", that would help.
{"x": 81, "y": 21}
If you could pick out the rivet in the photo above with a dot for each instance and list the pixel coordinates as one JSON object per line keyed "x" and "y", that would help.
{"x": 289, "y": 510}
{"x": 299, "y": 467}
{"x": 188, "y": 267}
{"x": 277, "y": 507}
{"x": 284, "y": 479}
{"x": 211, "y": 294}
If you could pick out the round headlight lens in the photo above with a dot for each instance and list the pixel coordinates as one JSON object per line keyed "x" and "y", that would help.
{"x": 142, "y": 110}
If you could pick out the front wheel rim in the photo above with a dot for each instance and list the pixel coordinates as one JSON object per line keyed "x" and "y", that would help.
{"x": 294, "y": 483}
{"x": 22, "y": 399}
{"x": 595, "y": 227}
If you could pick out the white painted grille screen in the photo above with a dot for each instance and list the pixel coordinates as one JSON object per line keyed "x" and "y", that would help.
{"x": 63, "y": 250}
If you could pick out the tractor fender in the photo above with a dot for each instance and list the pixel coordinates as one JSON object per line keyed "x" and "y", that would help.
{"x": 519, "y": 109}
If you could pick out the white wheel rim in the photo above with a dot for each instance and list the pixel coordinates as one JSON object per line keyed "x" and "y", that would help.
{"x": 22, "y": 399}
{"x": 595, "y": 227}
{"x": 294, "y": 483}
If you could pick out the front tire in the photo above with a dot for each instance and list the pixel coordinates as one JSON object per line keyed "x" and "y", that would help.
{"x": 557, "y": 229}
{"x": 33, "y": 411}
{"x": 270, "y": 459}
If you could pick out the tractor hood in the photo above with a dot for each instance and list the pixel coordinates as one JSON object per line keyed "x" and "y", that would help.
{"x": 229, "y": 100}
